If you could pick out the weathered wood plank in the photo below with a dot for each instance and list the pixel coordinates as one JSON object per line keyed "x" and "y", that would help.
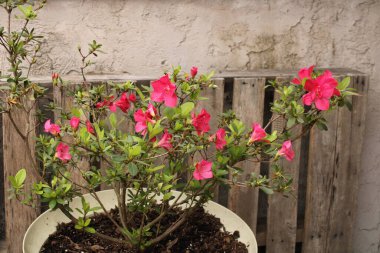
{"x": 358, "y": 117}
{"x": 16, "y": 155}
{"x": 332, "y": 182}
{"x": 214, "y": 105}
{"x": 248, "y": 104}
{"x": 2, "y": 194}
{"x": 320, "y": 190}
{"x": 282, "y": 211}
{"x": 340, "y": 210}
{"x": 65, "y": 100}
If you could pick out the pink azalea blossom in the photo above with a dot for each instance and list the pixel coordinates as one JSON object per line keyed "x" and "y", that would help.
{"x": 62, "y": 152}
{"x": 203, "y": 170}
{"x": 52, "y": 128}
{"x": 220, "y": 139}
{"x": 258, "y": 133}
{"x": 193, "y": 71}
{"x": 201, "y": 122}
{"x": 320, "y": 90}
{"x": 107, "y": 102}
{"x": 287, "y": 150}
{"x": 89, "y": 127}
{"x": 74, "y": 123}
{"x": 132, "y": 97}
{"x": 165, "y": 141}
{"x": 123, "y": 103}
{"x": 142, "y": 118}
{"x": 164, "y": 91}
{"x": 302, "y": 74}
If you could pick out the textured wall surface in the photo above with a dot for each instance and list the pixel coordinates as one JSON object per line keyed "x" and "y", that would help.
{"x": 144, "y": 37}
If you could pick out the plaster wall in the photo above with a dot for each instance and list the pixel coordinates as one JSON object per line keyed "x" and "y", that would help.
{"x": 145, "y": 37}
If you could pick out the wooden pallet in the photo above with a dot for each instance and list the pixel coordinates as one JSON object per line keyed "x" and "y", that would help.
{"x": 320, "y": 218}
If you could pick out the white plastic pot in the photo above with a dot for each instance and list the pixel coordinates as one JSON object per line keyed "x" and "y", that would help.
{"x": 46, "y": 223}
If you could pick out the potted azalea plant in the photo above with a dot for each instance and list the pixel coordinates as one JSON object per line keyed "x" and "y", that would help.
{"x": 153, "y": 149}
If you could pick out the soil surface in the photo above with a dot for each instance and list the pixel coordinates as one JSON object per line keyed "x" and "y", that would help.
{"x": 202, "y": 233}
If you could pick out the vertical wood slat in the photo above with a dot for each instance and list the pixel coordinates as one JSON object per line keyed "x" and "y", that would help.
{"x": 358, "y": 117}
{"x": 2, "y": 193}
{"x": 332, "y": 171}
{"x": 18, "y": 217}
{"x": 214, "y": 105}
{"x": 320, "y": 188}
{"x": 65, "y": 101}
{"x": 248, "y": 104}
{"x": 282, "y": 211}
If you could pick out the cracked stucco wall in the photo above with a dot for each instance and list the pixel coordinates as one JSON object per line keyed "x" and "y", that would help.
{"x": 144, "y": 37}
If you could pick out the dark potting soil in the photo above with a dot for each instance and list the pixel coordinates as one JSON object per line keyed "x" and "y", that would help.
{"x": 202, "y": 233}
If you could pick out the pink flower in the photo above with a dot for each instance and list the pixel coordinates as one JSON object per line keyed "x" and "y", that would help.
{"x": 62, "y": 152}
{"x": 74, "y": 123}
{"x": 201, "y": 122}
{"x": 107, "y": 102}
{"x": 89, "y": 127}
{"x": 193, "y": 71}
{"x": 203, "y": 170}
{"x": 258, "y": 133}
{"x": 165, "y": 141}
{"x": 164, "y": 91}
{"x": 132, "y": 97}
{"x": 287, "y": 150}
{"x": 52, "y": 128}
{"x": 302, "y": 74}
{"x": 321, "y": 89}
{"x": 220, "y": 139}
{"x": 142, "y": 118}
{"x": 123, "y": 103}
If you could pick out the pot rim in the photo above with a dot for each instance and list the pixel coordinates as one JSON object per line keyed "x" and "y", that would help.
{"x": 210, "y": 206}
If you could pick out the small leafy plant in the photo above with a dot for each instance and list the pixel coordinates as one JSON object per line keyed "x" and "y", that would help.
{"x": 152, "y": 140}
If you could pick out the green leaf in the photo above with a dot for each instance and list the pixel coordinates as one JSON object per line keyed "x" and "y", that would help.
{"x": 186, "y": 108}
{"x": 169, "y": 112}
{"x": 151, "y": 170}
{"x": 167, "y": 187}
{"x": 90, "y": 230}
{"x": 167, "y": 196}
{"x": 155, "y": 130}
{"x": 77, "y": 226}
{"x": 52, "y": 203}
{"x": 113, "y": 120}
{"x": 87, "y": 222}
{"x": 133, "y": 169}
{"x": 272, "y": 137}
{"x": 266, "y": 190}
{"x": 141, "y": 95}
{"x": 237, "y": 127}
{"x": 350, "y": 93}
{"x": 76, "y": 112}
{"x": 13, "y": 182}
{"x": 20, "y": 177}
{"x": 96, "y": 208}
{"x": 220, "y": 173}
{"x": 291, "y": 121}
{"x": 134, "y": 151}
{"x": 344, "y": 83}
{"x": 27, "y": 11}
{"x": 322, "y": 126}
